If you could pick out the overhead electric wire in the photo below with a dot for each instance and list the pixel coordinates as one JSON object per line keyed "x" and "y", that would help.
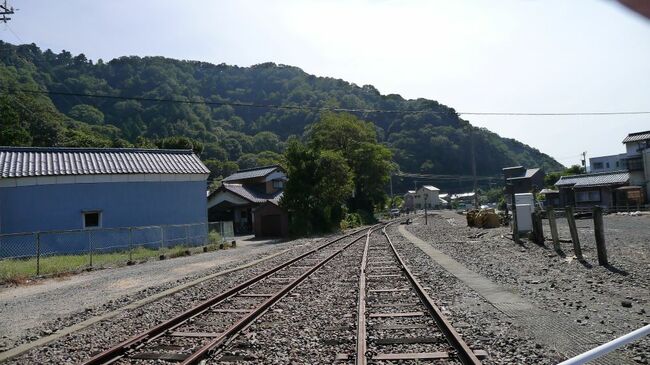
{"x": 306, "y": 107}
{"x": 433, "y": 177}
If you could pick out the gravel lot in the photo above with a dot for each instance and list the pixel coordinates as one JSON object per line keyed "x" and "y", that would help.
{"x": 602, "y": 302}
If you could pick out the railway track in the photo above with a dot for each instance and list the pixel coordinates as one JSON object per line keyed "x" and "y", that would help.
{"x": 203, "y": 331}
{"x": 396, "y": 318}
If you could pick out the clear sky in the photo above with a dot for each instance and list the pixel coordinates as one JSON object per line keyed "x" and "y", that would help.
{"x": 480, "y": 55}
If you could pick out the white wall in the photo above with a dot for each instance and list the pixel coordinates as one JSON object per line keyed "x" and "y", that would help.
{"x": 609, "y": 163}
{"x": 432, "y": 200}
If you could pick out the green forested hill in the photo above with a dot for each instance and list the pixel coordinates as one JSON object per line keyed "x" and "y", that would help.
{"x": 434, "y": 141}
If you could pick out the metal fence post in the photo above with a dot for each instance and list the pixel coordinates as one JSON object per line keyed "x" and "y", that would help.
{"x": 38, "y": 253}
{"x": 90, "y": 248}
{"x": 130, "y": 245}
{"x": 162, "y": 237}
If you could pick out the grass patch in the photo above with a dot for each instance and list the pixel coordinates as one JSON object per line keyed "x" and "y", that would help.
{"x": 17, "y": 271}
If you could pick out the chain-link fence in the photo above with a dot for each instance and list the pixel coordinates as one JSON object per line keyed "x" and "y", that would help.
{"x": 49, "y": 252}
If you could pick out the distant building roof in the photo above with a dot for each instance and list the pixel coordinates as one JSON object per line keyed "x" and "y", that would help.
{"x": 410, "y": 192}
{"x": 250, "y": 194}
{"x": 252, "y": 173}
{"x": 549, "y": 191}
{"x": 55, "y": 161}
{"x": 442, "y": 196}
{"x": 638, "y": 136}
{"x": 527, "y": 174}
{"x": 599, "y": 179}
{"x": 430, "y": 188}
{"x": 462, "y": 195}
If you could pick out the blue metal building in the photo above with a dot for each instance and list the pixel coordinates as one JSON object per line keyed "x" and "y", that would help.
{"x": 43, "y": 189}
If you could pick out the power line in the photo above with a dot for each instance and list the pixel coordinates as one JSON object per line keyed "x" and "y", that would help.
{"x": 215, "y": 103}
{"x": 305, "y": 107}
{"x": 433, "y": 177}
{"x": 555, "y": 114}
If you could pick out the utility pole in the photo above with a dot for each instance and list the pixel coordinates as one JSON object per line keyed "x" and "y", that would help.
{"x": 584, "y": 160}
{"x": 391, "y": 190}
{"x": 5, "y": 10}
{"x": 471, "y": 141}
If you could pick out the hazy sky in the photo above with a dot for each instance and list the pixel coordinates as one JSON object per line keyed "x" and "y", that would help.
{"x": 507, "y": 55}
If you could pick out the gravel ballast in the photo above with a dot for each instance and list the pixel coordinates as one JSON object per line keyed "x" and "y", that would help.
{"x": 82, "y": 344}
{"x": 603, "y": 302}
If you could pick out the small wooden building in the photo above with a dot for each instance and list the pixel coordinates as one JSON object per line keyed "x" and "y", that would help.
{"x": 250, "y": 199}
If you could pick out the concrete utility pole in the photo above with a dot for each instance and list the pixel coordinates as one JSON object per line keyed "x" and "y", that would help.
{"x": 426, "y": 221}
{"x": 4, "y": 11}
{"x": 391, "y": 190}
{"x": 471, "y": 142}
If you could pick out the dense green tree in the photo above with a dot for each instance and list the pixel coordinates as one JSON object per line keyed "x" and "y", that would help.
{"x": 370, "y": 161}
{"x": 551, "y": 178}
{"x": 266, "y": 141}
{"x": 214, "y": 151}
{"x": 180, "y": 143}
{"x": 319, "y": 184}
{"x": 86, "y": 113}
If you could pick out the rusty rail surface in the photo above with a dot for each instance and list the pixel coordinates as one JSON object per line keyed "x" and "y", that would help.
{"x": 120, "y": 350}
{"x": 361, "y": 310}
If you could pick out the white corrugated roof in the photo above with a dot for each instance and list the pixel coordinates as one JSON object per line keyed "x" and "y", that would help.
{"x": 56, "y": 161}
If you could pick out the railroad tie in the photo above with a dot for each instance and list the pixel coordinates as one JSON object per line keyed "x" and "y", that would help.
{"x": 388, "y": 290}
{"x": 231, "y": 310}
{"x": 159, "y": 356}
{"x": 412, "y": 356}
{"x": 395, "y": 315}
{"x": 254, "y": 295}
{"x": 407, "y": 340}
{"x": 381, "y": 276}
{"x": 194, "y": 334}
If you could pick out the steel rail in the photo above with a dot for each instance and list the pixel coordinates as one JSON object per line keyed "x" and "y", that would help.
{"x": 120, "y": 349}
{"x": 465, "y": 354}
{"x": 361, "y": 309}
{"x": 210, "y": 347}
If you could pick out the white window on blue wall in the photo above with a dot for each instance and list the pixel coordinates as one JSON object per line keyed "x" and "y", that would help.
{"x": 92, "y": 219}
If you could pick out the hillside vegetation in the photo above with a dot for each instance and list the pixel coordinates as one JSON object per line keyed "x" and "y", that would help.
{"x": 426, "y": 137}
